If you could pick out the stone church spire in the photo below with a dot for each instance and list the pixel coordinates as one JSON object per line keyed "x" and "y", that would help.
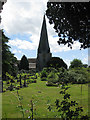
{"x": 43, "y": 44}
{"x": 43, "y": 55}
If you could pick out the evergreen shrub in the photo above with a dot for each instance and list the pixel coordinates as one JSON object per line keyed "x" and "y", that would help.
{"x": 52, "y": 77}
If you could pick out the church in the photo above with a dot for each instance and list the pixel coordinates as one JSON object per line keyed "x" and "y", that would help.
{"x": 43, "y": 52}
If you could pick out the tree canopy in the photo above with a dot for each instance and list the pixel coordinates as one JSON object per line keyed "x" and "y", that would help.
{"x": 76, "y": 63}
{"x": 8, "y": 59}
{"x": 71, "y": 20}
{"x": 56, "y": 62}
{"x": 24, "y": 64}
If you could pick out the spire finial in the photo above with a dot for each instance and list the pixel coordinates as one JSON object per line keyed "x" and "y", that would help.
{"x": 43, "y": 44}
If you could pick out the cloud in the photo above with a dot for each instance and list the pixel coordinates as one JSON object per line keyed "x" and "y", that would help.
{"x": 22, "y": 44}
{"x": 22, "y": 17}
{"x": 26, "y": 18}
{"x": 85, "y": 60}
{"x": 17, "y": 51}
{"x": 34, "y": 42}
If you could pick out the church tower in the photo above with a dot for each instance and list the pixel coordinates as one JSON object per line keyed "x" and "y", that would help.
{"x": 43, "y": 55}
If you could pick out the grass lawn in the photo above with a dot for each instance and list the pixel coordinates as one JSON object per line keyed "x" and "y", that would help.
{"x": 42, "y": 96}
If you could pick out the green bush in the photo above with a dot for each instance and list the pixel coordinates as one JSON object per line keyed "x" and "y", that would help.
{"x": 81, "y": 79}
{"x": 18, "y": 87}
{"x": 63, "y": 75}
{"x": 52, "y": 77}
{"x": 77, "y": 76}
{"x": 43, "y": 73}
{"x": 4, "y": 90}
{"x": 32, "y": 81}
{"x": 44, "y": 79}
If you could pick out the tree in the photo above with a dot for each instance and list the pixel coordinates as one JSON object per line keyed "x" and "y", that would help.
{"x": 71, "y": 20}
{"x": 76, "y": 63}
{"x": 85, "y": 65}
{"x": 8, "y": 59}
{"x": 24, "y": 64}
{"x": 56, "y": 62}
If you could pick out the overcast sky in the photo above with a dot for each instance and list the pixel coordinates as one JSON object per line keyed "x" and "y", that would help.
{"x": 22, "y": 21}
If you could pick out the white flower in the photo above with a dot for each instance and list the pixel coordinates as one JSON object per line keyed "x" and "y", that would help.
{"x": 29, "y": 117}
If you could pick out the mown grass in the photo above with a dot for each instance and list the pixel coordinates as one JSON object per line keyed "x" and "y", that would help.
{"x": 42, "y": 96}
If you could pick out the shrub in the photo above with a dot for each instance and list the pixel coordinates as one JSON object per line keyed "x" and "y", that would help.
{"x": 44, "y": 79}
{"x": 53, "y": 77}
{"x": 8, "y": 82}
{"x": 81, "y": 79}
{"x": 4, "y": 90}
{"x": 78, "y": 76}
{"x": 11, "y": 87}
{"x": 12, "y": 81}
{"x": 32, "y": 81}
{"x": 63, "y": 75}
{"x": 18, "y": 87}
{"x": 72, "y": 77}
{"x": 43, "y": 73}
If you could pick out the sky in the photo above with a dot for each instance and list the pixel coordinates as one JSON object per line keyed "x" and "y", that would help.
{"x": 22, "y": 22}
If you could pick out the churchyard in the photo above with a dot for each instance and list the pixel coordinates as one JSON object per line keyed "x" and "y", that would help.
{"x": 35, "y": 93}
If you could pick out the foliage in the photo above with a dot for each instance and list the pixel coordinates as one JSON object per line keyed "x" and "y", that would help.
{"x": 76, "y": 63}
{"x": 65, "y": 107}
{"x": 52, "y": 77}
{"x": 24, "y": 64}
{"x": 70, "y": 20}
{"x": 56, "y": 62}
{"x": 43, "y": 73}
{"x": 21, "y": 80}
{"x": 50, "y": 69}
{"x": 85, "y": 65}
{"x": 63, "y": 76}
{"x": 74, "y": 76}
{"x": 46, "y": 71}
{"x": 8, "y": 60}
{"x": 9, "y": 76}
{"x": 78, "y": 75}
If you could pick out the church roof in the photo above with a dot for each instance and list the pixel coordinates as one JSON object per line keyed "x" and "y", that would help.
{"x": 32, "y": 60}
{"x": 43, "y": 44}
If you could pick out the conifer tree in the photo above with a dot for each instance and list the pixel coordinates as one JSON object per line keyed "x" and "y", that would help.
{"x": 24, "y": 64}
{"x": 8, "y": 59}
